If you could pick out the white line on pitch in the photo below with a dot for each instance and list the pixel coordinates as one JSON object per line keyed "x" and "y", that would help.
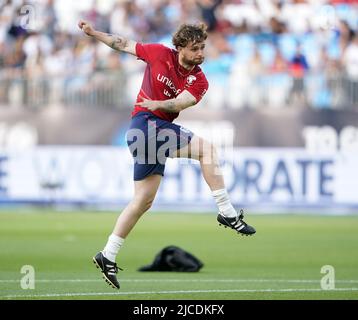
{"x": 187, "y": 280}
{"x": 53, "y": 295}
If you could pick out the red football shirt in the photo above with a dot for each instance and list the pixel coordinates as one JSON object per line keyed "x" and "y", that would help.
{"x": 165, "y": 78}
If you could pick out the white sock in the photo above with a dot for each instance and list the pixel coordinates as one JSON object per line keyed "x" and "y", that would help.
{"x": 224, "y": 204}
{"x": 112, "y": 247}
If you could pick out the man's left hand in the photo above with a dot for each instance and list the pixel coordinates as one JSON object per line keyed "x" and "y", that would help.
{"x": 151, "y": 105}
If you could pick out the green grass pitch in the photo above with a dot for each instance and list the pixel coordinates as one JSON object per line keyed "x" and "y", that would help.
{"x": 282, "y": 261}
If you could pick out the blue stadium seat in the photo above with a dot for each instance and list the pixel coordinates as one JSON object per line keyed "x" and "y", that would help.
{"x": 244, "y": 46}
{"x": 333, "y": 49}
{"x": 267, "y": 52}
{"x": 287, "y": 45}
{"x": 320, "y": 94}
{"x": 166, "y": 40}
{"x": 218, "y": 69}
{"x": 348, "y": 13}
{"x": 310, "y": 47}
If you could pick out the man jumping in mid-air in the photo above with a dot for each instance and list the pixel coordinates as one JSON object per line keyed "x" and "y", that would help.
{"x": 173, "y": 81}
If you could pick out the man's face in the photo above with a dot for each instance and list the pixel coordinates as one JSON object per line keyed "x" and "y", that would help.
{"x": 193, "y": 53}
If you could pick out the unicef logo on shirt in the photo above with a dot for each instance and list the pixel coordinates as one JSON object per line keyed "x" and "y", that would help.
{"x": 190, "y": 80}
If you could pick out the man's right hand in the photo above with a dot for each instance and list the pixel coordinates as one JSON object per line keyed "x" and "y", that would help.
{"x": 86, "y": 27}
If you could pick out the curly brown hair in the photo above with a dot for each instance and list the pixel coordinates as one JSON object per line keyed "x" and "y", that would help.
{"x": 189, "y": 33}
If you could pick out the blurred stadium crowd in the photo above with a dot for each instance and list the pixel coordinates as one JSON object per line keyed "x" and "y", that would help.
{"x": 263, "y": 53}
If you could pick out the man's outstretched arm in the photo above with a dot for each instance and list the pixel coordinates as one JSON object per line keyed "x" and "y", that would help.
{"x": 115, "y": 42}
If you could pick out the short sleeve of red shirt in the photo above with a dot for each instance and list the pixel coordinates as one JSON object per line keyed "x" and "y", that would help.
{"x": 199, "y": 87}
{"x": 150, "y": 52}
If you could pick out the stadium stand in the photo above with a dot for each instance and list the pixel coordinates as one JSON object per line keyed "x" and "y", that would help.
{"x": 252, "y": 50}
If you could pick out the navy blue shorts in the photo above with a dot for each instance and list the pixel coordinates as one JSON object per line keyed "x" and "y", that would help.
{"x": 151, "y": 141}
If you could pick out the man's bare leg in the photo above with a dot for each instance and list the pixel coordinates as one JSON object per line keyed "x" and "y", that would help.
{"x": 205, "y": 152}
{"x": 144, "y": 194}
